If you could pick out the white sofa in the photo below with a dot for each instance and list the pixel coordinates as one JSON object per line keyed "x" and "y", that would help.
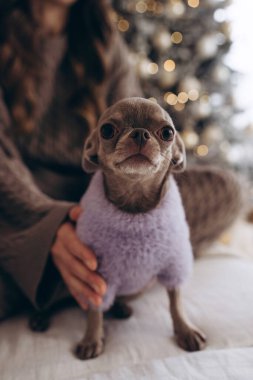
{"x": 218, "y": 298}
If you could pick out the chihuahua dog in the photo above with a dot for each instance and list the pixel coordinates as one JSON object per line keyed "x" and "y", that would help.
{"x": 134, "y": 218}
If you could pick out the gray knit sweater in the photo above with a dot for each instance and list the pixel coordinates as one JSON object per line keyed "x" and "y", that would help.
{"x": 40, "y": 174}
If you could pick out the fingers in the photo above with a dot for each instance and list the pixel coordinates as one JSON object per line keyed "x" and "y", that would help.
{"x": 80, "y": 271}
{"x": 72, "y": 258}
{"x": 75, "y": 212}
{"x": 61, "y": 268}
{"x": 79, "y": 290}
{"x": 71, "y": 242}
{"x": 85, "y": 275}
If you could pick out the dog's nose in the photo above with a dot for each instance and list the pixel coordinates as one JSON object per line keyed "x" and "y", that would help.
{"x": 140, "y": 136}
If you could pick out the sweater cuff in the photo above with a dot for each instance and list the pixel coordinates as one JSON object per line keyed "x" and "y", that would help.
{"x": 29, "y": 262}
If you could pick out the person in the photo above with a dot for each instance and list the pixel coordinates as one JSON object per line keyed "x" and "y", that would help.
{"x": 61, "y": 64}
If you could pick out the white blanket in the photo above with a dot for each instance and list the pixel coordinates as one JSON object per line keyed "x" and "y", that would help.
{"x": 230, "y": 364}
{"x": 218, "y": 298}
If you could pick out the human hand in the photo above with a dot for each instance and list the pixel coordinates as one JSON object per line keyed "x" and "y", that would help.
{"x": 77, "y": 264}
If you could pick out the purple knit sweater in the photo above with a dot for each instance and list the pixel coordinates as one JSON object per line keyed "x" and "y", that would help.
{"x": 134, "y": 248}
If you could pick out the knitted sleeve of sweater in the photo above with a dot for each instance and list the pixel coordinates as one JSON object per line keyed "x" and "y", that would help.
{"x": 134, "y": 248}
{"x": 29, "y": 219}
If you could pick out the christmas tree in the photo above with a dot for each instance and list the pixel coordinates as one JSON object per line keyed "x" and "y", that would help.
{"x": 178, "y": 49}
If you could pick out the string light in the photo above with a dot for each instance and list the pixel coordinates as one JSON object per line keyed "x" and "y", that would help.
{"x": 152, "y": 68}
{"x": 202, "y": 150}
{"x": 178, "y": 8}
{"x": 193, "y": 3}
{"x": 182, "y": 97}
{"x": 179, "y": 106}
{"x": 176, "y": 37}
{"x": 166, "y": 94}
{"x": 169, "y": 65}
{"x": 190, "y": 138}
{"x": 193, "y": 95}
{"x": 141, "y": 7}
{"x": 123, "y": 25}
{"x": 171, "y": 99}
{"x": 151, "y": 6}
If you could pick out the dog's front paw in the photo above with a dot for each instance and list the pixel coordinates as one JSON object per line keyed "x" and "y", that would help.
{"x": 39, "y": 322}
{"x": 89, "y": 348}
{"x": 191, "y": 339}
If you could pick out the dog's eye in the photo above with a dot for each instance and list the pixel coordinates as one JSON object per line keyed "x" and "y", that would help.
{"x": 107, "y": 131}
{"x": 166, "y": 133}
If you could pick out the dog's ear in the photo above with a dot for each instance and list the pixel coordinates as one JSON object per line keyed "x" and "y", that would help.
{"x": 178, "y": 155}
{"x": 90, "y": 162}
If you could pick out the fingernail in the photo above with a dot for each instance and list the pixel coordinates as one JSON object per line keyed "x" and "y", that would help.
{"x": 100, "y": 289}
{"x": 91, "y": 265}
{"x": 103, "y": 290}
{"x": 96, "y": 301}
{"x": 97, "y": 289}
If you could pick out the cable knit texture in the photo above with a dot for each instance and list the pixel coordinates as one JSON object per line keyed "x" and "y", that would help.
{"x": 134, "y": 248}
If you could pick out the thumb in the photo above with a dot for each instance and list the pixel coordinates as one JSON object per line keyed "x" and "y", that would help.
{"x": 75, "y": 212}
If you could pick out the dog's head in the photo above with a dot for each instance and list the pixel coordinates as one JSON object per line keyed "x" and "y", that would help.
{"x": 134, "y": 137}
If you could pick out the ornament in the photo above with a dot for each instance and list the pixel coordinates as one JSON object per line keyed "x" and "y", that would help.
{"x": 201, "y": 110}
{"x": 220, "y": 73}
{"x": 190, "y": 138}
{"x": 235, "y": 154}
{"x": 189, "y": 83}
{"x": 162, "y": 40}
{"x": 212, "y": 134}
{"x": 176, "y": 9}
{"x": 207, "y": 46}
{"x": 143, "y": 67}
{"x": 145, "y": 28}
{"x": 216, "y": 99}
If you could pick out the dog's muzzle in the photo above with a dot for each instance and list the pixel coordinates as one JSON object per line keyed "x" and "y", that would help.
{"x": 140, "y": 136}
